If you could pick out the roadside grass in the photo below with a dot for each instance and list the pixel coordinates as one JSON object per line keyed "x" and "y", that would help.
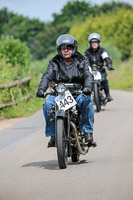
{"x": 122, "y": 77}
{"x": 23, "y": 109}
{"x": 27, "y": 108}
{"x": 39, "y": 67}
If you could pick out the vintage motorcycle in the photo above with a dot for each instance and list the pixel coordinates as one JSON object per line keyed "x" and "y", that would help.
{"x": 99, "y": 97}
{"x": 70, "y": 142}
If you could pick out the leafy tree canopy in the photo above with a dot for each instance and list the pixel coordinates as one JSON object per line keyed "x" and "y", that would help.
{"x": 116, "y": 27}
{"x": 41, "y": 37}
{"x": 5, "y": 17}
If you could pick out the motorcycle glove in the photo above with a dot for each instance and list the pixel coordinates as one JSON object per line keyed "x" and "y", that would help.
{"x": 40, "y": 94}
{"x": 86, "y": 91}
{"x": 110, "y": 67}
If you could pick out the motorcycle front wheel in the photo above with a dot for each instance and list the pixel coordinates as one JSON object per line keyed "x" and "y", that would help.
{"x": 62, "y": 144}
{"x": 96, "y": 98}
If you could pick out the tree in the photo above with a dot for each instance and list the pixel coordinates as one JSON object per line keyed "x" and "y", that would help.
{"x": 109, "y": 7}
{"x": 117, "y": 27}
{"x": 123, "y": 37}
{"x": 23, "y": 28}
{"x": 5, "y": 17}
{"x": 71, "y": 11}
{"x": 41, "y": 37}
{"x": 45, "y": 42}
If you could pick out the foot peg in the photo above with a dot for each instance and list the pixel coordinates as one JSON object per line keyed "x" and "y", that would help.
{"x": 50, "y": 146}
{"x": 92, "y": 144}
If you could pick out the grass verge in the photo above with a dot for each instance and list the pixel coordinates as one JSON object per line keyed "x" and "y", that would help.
{"x": 122, "y": 77}
{"x": 27, "y": 108}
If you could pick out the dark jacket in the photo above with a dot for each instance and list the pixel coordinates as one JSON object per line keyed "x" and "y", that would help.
{"x": 98, "y": 57}
{"x": 57, "y": 72}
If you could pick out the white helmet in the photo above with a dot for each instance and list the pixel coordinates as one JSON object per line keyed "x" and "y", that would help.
{"x": 94, "y": 37}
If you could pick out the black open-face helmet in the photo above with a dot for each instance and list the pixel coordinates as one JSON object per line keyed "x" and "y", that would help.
{"x": 64, "y": 41}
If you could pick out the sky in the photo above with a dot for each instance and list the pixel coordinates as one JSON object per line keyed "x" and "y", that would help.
{"x": 42, "y": 9}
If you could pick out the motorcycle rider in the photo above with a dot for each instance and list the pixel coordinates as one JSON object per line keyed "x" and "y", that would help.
{"x": 68, "y": 66}
{"x": 98, "y": 55}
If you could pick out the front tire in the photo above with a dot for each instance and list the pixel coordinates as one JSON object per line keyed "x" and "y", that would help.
{"x": 96, "y": 98}
{"x": 62, "y": 144}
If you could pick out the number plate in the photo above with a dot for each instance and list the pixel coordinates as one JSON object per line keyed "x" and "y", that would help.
{"x": 65, "y": 101}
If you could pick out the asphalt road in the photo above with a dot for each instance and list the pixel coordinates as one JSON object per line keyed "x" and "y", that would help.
{"x": 29, "y": 170}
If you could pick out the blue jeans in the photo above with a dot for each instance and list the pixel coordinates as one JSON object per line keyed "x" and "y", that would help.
{"x": 84, "y": 104}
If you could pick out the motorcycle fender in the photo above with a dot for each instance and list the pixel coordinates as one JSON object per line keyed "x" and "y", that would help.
{"x": 97, "y": 76}
{"x": 60, "y": 113}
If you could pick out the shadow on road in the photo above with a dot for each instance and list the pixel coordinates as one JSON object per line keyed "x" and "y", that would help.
{"x": 52, "y": 164}
{"x": 78, "y": 163}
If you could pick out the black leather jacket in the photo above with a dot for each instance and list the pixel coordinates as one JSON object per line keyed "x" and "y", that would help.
{"x": 98, "y": 57}
{"x": 57, "y": 72}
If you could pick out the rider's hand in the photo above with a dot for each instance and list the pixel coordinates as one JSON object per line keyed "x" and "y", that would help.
{"x": 86, "y": 91}
{"x": 40, "y": 93}
{"x": 110, "y": 67}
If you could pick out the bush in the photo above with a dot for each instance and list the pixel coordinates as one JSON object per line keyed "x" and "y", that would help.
{"x": 116, "y": 27}
{"x": 14, "y": 51}
{"x": 14, "y": 65}
{"x": 14, "y": 59}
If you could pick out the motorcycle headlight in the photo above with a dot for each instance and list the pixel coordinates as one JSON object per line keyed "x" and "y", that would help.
{"x": 94, "y": 68}
{"x": 61, "y": 88}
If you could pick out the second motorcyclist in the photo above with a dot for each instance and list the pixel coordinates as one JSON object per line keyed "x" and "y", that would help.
{"x": 98, "y": 55}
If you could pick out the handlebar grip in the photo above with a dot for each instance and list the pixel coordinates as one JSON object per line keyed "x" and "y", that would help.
{"x": 49, "y": 93}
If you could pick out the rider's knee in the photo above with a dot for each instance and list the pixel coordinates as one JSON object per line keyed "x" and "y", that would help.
{"x": 48, "y": 103}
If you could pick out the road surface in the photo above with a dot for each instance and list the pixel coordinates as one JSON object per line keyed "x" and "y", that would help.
{"x": 29, "y": 170}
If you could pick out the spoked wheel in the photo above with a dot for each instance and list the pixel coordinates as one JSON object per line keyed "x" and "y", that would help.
{"x": 75, "y": 155}
{"x": 62, "y": 144}
{"x": 96, "y": 98}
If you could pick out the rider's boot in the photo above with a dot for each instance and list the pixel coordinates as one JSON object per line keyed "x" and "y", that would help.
{"x": 89, "y": 137}
{"x": 51, "y": 142}
{"x": 108, "y": 96}
{"x": 103, "y": 98}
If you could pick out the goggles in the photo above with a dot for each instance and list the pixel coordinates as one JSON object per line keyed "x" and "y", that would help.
{"x": 65, "y": 46}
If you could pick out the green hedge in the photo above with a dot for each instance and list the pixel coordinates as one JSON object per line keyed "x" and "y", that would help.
{"x": 117, "y": 27}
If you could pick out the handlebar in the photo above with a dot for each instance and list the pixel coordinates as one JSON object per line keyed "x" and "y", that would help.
{"x": 48, "y": 93}
{"x": 74, "y": 88}
{"x": 100, "y": 68}
{"x": 76, "y": 92}
{"x": 105, "y": 67}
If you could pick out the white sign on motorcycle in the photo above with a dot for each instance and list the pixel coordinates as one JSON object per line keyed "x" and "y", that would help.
{"x": 65, "y": 101}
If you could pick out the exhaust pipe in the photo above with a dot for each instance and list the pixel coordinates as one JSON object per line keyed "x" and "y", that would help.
{"x": 75, "y": 133}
